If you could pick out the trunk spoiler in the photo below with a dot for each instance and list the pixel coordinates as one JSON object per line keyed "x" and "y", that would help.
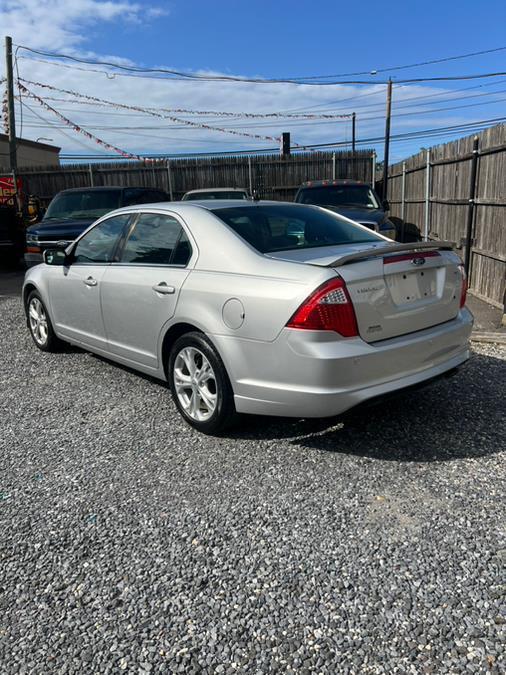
{"x": 395, "y": 248}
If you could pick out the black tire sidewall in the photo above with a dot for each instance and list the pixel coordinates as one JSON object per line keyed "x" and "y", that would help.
{"x": 225, "y": 408}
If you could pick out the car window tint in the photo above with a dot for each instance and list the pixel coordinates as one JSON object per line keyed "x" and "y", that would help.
{"x": 183, "y": 251}
{"x": 134, "y": 196}
{"x": 339, "y": 195}
{"x": 232, "y": 194}
{"x": 97, "y": 246}
{"x": 157, "y": 196}
{"x": 289, "y": 226}
{"x": 152, "y": 240}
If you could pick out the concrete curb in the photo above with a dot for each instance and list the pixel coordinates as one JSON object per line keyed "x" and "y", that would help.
{"x": 498, "y": 338}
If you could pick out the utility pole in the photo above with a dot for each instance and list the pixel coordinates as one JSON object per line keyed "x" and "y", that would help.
{"x": 13, "y": 161}
{"x": 353, "y": 131}
{"x": 285, "y": 145}
{"x": 387, "y": 139}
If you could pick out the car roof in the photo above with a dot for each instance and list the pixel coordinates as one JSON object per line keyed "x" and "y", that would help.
{"x": 332, "y": 181}
{"x": 186, "y": 207}
{"x": 220, "y": 189}
{"x": 101, "y": 188}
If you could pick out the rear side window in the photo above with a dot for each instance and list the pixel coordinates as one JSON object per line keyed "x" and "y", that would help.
{"x": 270, "y": 228}
{"x": 157, "y": 239}
{"x": 97, "y": 246}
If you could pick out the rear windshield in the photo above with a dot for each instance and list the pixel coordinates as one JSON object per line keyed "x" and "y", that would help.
{"x": 339, "y": 195}
{"x": 270, "y": 228}
{"x": 83, "y": 204}
{"x": 215, "y": 195}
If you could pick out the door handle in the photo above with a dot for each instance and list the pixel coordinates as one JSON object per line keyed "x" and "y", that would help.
{"x": 164, "y": 289}
{"x": 90, "y": 281}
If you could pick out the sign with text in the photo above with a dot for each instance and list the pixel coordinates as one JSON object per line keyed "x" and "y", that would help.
{"x": 7, "y": 191}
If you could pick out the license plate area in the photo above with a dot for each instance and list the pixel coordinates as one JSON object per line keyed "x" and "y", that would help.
{"x": 414, "y": 286}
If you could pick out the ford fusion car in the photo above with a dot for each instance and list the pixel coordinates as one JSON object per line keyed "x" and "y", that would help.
{"x": 239, "y": 315}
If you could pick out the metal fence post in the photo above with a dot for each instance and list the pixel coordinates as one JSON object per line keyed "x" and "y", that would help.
{"x": 426, "y": 226}
{"x": 250, "y": 176}
{"x": 333, "y": 166}
{"x": 90, "y": 169}
{"x": 169, "y": 177}
{"x": 470, "y": 210}
{"x": 374, "y": 170}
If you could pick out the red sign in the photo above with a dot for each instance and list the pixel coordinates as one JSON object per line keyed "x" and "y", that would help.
{"x": 7, "y": 190}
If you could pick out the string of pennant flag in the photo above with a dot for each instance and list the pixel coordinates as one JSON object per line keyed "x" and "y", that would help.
{"x": 79, "y": 129}
{"x": 76, "y": 127}
{"x": 79, "y": 98}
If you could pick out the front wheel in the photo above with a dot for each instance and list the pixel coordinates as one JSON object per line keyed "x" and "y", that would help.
{"x": 200, "y": 385}
{"x": 40, "y": 325}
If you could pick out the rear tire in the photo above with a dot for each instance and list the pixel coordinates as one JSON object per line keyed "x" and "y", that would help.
{"x": 200, "y": 385}
{"x": 39, "y": 323}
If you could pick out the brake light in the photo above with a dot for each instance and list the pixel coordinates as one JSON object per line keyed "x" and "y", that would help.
{"x": 328, "y": 308}
{"x": 463, "y": 292}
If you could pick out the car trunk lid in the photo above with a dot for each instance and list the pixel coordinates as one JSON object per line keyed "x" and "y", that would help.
{"x": 397, "y": 288}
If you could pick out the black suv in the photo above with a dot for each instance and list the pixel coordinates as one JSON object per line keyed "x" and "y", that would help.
{"x": 350, "y": 198}
{"x": 11, "y": 236}
{"x": 72, "y": 211}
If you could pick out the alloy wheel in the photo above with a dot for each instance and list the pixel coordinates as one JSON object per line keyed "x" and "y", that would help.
{"x": 195, "y": 384}
{"x": 38, "y": 321}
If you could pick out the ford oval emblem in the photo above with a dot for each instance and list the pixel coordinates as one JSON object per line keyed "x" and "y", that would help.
{"x": 418, "y": 261}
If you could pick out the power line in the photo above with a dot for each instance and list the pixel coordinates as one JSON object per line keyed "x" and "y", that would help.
{"x": 435, "y": 132}
{"x": 281, "y": 80}
{"x": 226, "y": 128}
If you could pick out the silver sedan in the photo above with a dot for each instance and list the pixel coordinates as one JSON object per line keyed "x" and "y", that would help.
{"x": 266, "y": 308}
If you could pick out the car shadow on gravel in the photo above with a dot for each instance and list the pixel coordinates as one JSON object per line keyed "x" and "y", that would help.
{"x": 459, "y": 417}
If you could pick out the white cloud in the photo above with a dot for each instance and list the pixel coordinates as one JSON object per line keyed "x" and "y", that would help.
{"x": 68, "y": 26}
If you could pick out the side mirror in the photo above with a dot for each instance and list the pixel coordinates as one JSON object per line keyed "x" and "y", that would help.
{"x": 55, "y": 256}
{"x": 386, "y": 205}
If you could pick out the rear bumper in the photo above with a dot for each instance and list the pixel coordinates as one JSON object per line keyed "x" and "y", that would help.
{"x": 311, "y": 374}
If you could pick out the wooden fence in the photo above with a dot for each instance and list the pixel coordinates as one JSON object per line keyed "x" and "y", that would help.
{"x": 434, "y": 191}
{"x": 272, "y": 176}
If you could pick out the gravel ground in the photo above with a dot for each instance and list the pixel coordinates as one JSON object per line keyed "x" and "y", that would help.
{"x": 130, "y": 543}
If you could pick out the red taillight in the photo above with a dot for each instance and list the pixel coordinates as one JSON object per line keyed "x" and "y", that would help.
{"x": 463, "y": 291}
{"x": 328, "y": 308}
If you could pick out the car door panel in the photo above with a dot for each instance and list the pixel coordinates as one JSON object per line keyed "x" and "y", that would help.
{"x": 75, "y": 303}
{"x": 75, "y": 289}
{"x": 135, "y": 312}
{"x": 140, "y": 292}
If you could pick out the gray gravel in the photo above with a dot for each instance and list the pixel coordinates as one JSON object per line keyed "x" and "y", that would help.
{"x": 130, "y": 543}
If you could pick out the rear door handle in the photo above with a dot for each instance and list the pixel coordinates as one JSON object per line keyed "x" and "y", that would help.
{"x": 90, "y": 281}
{"x": 164, "y": 289}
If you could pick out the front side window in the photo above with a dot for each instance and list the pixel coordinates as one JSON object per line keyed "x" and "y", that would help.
{"x": 97, "y": 246}
{"x": 290, "y": 226}
{"x": 87, "y": 204}
{"x": 339, "y": 195}
{"x": 157, "y": 239}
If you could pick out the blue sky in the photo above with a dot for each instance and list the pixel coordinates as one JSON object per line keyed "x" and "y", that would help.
{"x": 268, "y": 39}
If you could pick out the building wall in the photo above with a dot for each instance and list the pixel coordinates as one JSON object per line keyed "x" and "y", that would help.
{"x": 29, "y": 155}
